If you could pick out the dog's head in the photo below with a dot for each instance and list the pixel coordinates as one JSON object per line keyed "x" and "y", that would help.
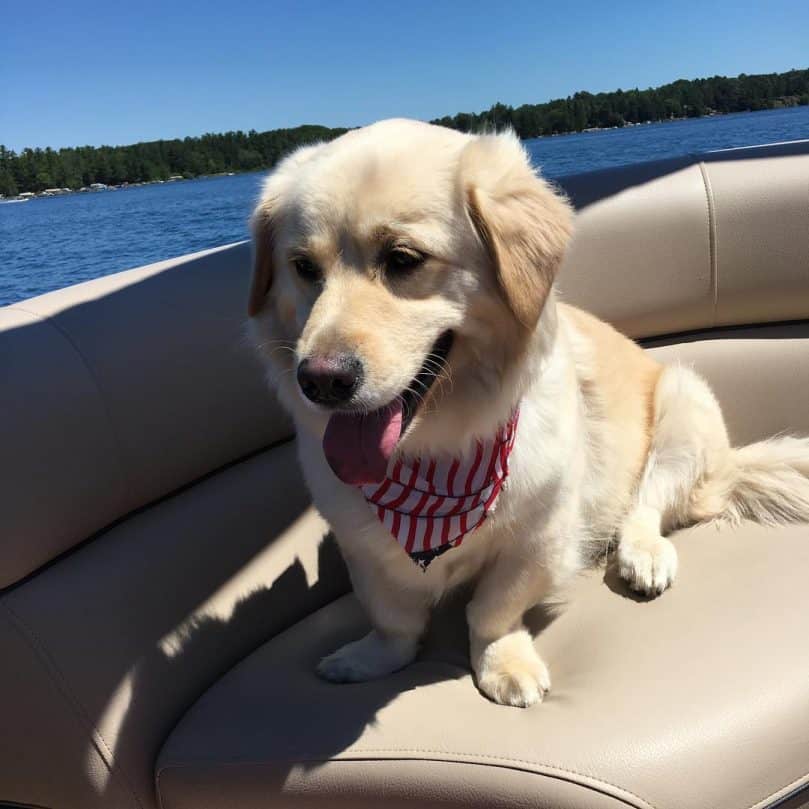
{"x": 400, "y": 274}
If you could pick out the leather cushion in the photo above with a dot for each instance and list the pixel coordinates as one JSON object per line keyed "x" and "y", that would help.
{"x": 641, "y": 259}
{"x": 119, "y": 391}
{"x": 119, "y": 638}
{"x": 760, "y": 375}
{"x": 693, "y": 243}
{"x": 699, "y": 698}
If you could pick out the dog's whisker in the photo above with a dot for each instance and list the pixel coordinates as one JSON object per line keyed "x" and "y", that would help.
{"x": 270, "y": 349}
{"x": 272, "y": 341}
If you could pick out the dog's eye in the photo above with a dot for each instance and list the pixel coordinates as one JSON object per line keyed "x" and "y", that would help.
{"x": 307, "y": 269}
{"x": 401, "y": 259}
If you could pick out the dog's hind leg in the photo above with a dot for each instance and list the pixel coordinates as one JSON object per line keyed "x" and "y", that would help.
{"x": 689, "y": 441}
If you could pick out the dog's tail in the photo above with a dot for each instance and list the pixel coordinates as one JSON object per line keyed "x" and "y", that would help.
{"x": 767, "y": 481}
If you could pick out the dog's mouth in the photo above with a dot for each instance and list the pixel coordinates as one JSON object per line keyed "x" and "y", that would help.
{"x": 358, "y": 446}
{"x": 432, "y": 367}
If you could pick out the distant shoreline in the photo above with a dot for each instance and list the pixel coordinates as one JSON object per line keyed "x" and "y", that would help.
{"x": 36, "y": 173}
{"x": 100, "y": 188}
{"x": 97, "y": 188}
{"x": 630, "y": 124}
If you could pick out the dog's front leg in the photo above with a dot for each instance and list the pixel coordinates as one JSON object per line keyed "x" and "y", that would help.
{"x": 398, "y": 615}
{"x": 505, "y": 662}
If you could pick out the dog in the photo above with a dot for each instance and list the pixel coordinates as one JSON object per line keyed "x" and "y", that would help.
{"x": 456, "y": 421}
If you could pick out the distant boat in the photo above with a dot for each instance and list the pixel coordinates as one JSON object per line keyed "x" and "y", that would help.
{"x": 9, "y": 201}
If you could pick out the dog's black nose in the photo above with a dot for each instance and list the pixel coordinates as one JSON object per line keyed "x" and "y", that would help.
{"x": 330, "y": 381}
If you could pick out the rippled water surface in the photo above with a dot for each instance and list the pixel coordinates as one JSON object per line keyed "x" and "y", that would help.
{"x": 53, "y": 242}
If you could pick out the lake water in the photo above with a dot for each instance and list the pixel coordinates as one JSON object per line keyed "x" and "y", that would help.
{"x": 53, "y": 242}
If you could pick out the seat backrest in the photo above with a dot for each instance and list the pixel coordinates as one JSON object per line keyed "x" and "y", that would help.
{"x": 685, "y": 244}
{"x": 119, "y": 391}
{"x": 154, "y": 525}
{"x": 684, "y": 250}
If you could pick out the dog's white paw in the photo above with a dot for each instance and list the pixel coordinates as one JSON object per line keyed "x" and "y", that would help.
{"x": 649, "y": 565}
{"x": 511, "y": 672}
{"x": 367, "y": 659}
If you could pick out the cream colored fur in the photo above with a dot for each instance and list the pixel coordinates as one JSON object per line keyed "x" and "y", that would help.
{"x": 610, "y": 444}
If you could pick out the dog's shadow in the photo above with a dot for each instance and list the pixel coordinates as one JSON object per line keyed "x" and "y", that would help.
{"x": 273, "y": 707}
{"x": 262, "y": 701}
{"x": 266, "y": 702}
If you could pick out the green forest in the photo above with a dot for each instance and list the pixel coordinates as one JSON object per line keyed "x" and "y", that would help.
{"x": 35, "y": 170}
{"x": 680, "y": 99}
{"x": 38, "y": 169}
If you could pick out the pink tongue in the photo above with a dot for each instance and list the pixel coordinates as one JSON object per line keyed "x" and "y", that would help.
{"x": 358, "y": 447}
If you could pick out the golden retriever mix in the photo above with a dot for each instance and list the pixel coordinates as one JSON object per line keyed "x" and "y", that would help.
{"x": 455, "y": 421}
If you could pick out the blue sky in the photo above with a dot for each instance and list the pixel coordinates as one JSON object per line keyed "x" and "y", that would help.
{"x": 76, "y": 73}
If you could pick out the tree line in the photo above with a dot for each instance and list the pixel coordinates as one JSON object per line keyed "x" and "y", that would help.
{"x": 680, "y": 99}
{"x": 38, "y": 169}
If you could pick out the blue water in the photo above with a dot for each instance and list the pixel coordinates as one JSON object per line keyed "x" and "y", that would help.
{"x": 56, "y": 241}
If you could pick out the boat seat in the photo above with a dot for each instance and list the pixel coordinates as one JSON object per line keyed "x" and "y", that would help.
{"x": 698, "y": 699}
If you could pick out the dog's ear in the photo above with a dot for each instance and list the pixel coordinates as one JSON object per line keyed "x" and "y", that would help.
{"x": 523, "y": 224}
{"x": 261, "y": 225}
{"x": 264, "y": 223}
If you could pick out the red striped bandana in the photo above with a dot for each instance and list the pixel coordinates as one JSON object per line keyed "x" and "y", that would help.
{"x": 431, "y": 505}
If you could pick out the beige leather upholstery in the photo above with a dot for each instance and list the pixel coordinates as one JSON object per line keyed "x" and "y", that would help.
{"x": 760, "y": 375}
{"x": 672, "y": 247}
{"x": 620, "y": 265}
{"x": 109, "y": 646}
{"x": 699, "y": 699}
{"x": 761, "y": 248}
{"x": 154, "y": 532}
{"x": 119, "y": 391}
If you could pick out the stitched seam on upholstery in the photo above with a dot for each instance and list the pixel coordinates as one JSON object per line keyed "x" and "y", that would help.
{"x": 764, "y": 802}
{"x": 98, "y": 741}
{"x": 711, "y": 239}
{"x": 481, "y": 759}
{"x": 124, "y": 468}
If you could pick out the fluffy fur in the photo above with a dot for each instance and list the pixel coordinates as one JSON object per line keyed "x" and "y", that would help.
{"x": 610, "y": 444}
